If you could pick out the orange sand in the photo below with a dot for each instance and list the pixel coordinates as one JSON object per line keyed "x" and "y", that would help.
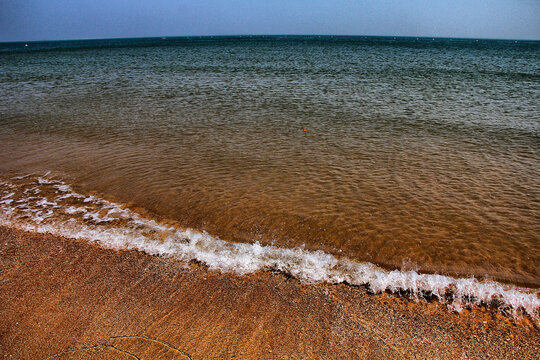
{"x": 68, "y": 299}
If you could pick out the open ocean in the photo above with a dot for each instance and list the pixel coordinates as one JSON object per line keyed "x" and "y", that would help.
{"x": 401, "y": 164}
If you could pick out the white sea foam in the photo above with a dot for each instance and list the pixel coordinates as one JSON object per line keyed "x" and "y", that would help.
{"x": 114, "y": 226}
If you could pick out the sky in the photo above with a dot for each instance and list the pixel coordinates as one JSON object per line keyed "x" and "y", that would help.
{"x": 27, "y": 20}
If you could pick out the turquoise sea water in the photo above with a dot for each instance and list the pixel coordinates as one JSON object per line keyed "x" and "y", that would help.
{"x": 417, "y": 153}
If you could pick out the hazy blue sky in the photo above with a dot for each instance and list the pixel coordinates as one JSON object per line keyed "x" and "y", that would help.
{"x": 71, "y": 19}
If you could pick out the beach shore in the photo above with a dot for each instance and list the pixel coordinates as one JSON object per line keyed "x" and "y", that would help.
{"x": 70, "y": 299}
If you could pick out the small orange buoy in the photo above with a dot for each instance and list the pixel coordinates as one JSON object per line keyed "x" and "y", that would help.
{"x": 305, "y": 129}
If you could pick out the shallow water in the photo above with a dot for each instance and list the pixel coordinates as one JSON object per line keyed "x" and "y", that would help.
{"x": 418, "y": 154}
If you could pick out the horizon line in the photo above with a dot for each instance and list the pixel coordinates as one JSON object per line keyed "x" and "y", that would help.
{"x": 262, "y": 35}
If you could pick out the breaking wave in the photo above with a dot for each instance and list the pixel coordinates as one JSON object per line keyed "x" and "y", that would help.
{"x": 45, "y": 205}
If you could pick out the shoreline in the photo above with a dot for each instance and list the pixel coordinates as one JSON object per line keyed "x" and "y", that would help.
{"x": 61, "y": 211}
{"x": 65, "y": 298}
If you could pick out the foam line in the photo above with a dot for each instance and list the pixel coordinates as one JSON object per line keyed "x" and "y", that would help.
{"x": 58, "y": 210}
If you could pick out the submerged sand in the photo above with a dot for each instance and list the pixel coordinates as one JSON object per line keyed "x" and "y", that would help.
{"x": 69, "y": 299}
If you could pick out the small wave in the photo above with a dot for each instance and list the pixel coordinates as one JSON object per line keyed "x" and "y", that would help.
{"x": 46, "y": 205}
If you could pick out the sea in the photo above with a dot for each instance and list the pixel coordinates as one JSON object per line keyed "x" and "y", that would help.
{"x": 401, "y": 164}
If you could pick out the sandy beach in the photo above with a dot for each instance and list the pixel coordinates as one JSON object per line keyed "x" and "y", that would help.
{"x": 70, "y": 299}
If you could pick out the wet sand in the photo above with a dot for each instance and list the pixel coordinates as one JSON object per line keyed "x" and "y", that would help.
{"x": 69, "y": 299}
